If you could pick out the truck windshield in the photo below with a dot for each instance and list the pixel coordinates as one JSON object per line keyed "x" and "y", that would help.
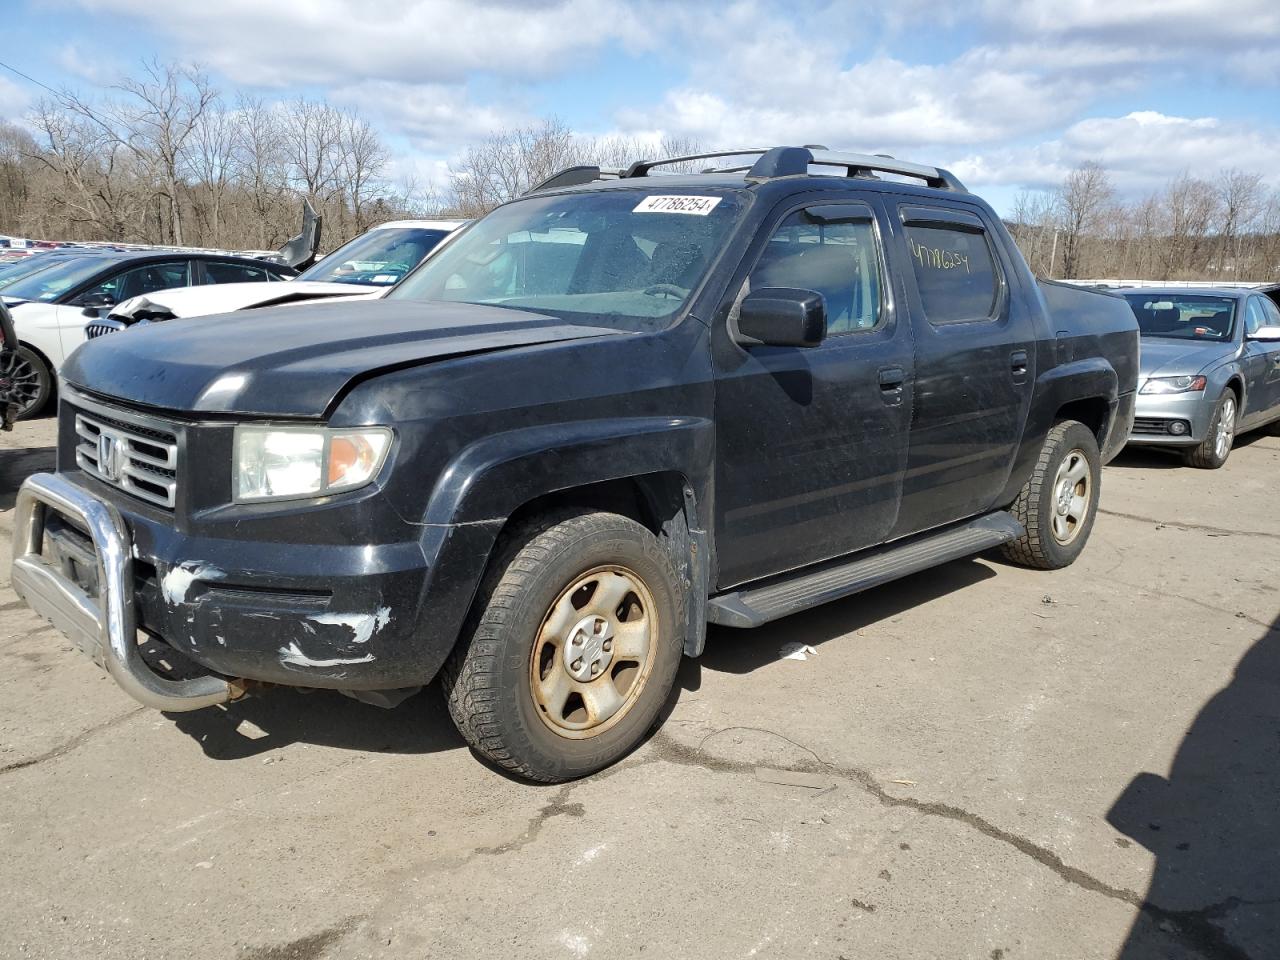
{"x": 621, "y": 258}
{"x": 1184, "y": 317}
{"x": 378, "y": 258}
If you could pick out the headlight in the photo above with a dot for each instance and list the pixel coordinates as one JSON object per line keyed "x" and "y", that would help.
{"x": 1173, "y": 385}
{"x": 272, "y": 463}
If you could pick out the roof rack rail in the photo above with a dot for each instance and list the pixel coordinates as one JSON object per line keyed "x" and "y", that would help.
{"x": 773, "y": 162}
{"x": 573, "y": 176}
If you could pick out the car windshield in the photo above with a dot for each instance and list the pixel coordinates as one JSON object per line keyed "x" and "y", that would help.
{"x": 1184, "y": 317}
{"x": 53, "y": 282}
{"x": 378, "y": 258}
{"x": 617, "y": 257}
{"x": 11, "y": 273}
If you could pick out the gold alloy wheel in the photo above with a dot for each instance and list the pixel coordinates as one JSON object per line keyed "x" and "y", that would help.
{"x": 1071, "y": 496}
{"x": 594, "y": 652}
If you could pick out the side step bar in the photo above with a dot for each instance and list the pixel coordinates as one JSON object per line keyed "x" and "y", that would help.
{"x": 752, "y": 606}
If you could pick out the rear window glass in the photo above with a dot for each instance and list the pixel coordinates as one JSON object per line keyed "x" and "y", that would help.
{"x": 955, "y": 273}
{"x": 1184, "y": 317}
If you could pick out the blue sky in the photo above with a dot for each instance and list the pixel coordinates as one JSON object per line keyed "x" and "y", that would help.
{"x": 1008, "y": 95}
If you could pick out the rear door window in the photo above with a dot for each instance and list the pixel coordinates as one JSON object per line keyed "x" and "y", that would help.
{"x": 216, "y": 272}
{"x": 954, "y": 268}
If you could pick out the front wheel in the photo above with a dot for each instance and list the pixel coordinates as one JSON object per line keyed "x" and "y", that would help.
{"x": 27, "y": 379}
{"x": 1057, "y": 505}
{"x": 573, "y": 648}
{"x": 1213, "y": 451}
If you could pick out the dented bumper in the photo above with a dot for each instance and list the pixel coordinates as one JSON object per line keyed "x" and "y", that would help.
{"x": 347, "y": 617}
{"x": 89, "y": 594}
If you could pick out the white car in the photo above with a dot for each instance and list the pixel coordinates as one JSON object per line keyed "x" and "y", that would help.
{"x": 51, "y": 305}
{"x": 364, "y": 266}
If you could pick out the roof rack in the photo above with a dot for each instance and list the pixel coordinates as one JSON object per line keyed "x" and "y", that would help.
{"x": 573, "y": 176}
{"x": 773, "y": 162}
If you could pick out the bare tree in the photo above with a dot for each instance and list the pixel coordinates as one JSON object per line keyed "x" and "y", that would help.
{"x": 1242, "y": 200}
{"x": 155, "y": 117}
{"x": 311, "y": 138}
{"x": 1190, "y": 207}
{"x": 363, "y": 159}
{"x": 211, "y": 162}
{"x": 1083, "y": 199}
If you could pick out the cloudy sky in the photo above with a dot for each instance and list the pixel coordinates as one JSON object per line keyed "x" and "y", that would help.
{"x": 1007, "y": 94}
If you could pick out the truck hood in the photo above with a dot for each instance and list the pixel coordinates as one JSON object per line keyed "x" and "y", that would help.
{"x": 294, "y": 361}
{"x": 1175, "y": 358}
{"x": 225, "y": 297}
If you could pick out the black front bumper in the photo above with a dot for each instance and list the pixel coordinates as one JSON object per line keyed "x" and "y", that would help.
{"x": 349, "y": 617}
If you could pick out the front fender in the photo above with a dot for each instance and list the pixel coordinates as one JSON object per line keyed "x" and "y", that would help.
{"x": 491, "y": 479}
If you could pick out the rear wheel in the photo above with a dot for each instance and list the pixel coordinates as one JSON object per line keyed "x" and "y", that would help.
{"x": 27, "y": 379}
{"x": 1058, "y": 504}
{"x": 1213, "y": 451}
{"x": 573, "y": 649}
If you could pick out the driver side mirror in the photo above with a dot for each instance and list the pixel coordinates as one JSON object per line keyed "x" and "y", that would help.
{"x": 1265, "y": 334}
{"x": 782, "y": 317}
{"x": 93, "y": 302}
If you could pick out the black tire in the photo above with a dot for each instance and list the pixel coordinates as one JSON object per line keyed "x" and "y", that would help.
{"x": 1208, "y": 456}
{"x": 1037, "y": 505}
{"x": 490, "y": 678}
{"x": 28, "y": 380}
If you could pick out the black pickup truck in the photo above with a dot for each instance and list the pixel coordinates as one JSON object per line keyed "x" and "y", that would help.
{"x": 611, "y": 411}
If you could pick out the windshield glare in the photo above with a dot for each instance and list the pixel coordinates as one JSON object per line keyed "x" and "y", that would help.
{"x": 1184, "y": 317}
{"x": 620, "y": 258}
{"x": 378, "y": 258}
{"x": 52, "y": 282}
{"x": 15, "y": 271}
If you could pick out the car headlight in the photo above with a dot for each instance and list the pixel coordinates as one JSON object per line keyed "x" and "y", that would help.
{"x": 1173, "y": 385}
{"x": 273, "y": 463}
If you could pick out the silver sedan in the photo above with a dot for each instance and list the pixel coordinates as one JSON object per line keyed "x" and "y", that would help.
{"x": 1210, "y": 369}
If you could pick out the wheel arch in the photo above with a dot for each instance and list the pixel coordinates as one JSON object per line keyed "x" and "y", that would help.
{"x": 654, "y": 470}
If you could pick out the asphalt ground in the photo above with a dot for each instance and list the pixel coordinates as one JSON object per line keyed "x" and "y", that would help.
{"x": 978, "y": 762}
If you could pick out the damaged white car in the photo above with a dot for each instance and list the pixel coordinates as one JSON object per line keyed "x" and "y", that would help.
{"x": 361, "y": 268}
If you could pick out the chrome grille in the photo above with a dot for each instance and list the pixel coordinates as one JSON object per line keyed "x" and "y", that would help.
{"x": 140, "y": 460}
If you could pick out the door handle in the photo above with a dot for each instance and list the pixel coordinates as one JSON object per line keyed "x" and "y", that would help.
{"x": 891, "y": 378}
{"x": 891, "y": 381}
{"x": 1018, "y": 361}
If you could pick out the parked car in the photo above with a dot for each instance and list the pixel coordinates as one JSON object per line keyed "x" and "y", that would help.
{"x": 1210, "y": 369}
{"x": 366, "y": 265}
{"x": 50, "y": 306}
{"x": 602, "y": 416}
{"x": 8, "y": 359}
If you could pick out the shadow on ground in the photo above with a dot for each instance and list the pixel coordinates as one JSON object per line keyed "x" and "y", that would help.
{"x": 279, "y": 717}
{"x": 1169, "y": 458}
{"x": 742, "y": 651}
{"x": 18, "y": 464}
{"x": 1214, "y": 824}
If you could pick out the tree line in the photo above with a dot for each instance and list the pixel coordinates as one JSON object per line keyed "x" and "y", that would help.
{"x": 1225, "y": 229}
{"x": 164, "y": 157}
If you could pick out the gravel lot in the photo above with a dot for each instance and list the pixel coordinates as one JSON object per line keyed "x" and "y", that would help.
{"x": 979, "y": 762}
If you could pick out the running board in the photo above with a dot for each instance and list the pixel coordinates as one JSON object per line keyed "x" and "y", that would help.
{"x": 756, "y": 605}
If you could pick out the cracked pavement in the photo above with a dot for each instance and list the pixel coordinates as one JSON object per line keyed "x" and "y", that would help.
{"x": 979, "y": 762}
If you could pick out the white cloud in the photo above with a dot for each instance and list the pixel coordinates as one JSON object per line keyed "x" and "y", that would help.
{"x": 14, "y": 100}
{"x": 1142, "y": 151}
{"x": 435, "y": 117}
{"x": 294, "y": 42}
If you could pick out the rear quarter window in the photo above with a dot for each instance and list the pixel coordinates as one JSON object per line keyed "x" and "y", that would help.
{"x": 955, "y": 273}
